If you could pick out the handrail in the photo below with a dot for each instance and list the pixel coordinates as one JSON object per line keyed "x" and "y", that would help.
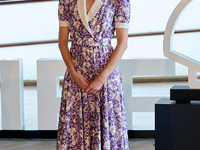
{"x": 130, "y": 35}
{"x": 142, "y": 79}
{"x": 22, "y": 2}
{"x": 153, "y": 79}
{"x": 147, "y": 79}
{"x": 29, "y": 43}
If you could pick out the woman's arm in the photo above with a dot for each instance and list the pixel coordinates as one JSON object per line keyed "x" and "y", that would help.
{"x": 122, "y": 38}
{"x": 81, "y": 81}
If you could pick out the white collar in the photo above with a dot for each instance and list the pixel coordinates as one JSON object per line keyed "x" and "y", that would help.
{"x": 93, "y": 10}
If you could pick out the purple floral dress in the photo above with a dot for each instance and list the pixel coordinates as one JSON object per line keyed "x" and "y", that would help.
{"x": 93, "y": 121}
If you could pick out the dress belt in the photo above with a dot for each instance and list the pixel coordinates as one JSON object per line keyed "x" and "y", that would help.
{"x": 91, "y": 42}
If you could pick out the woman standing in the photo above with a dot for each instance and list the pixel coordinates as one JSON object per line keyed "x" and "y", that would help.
{"x": 92, "y": 111}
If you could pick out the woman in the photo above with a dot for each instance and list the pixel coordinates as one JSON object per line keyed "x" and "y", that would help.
{"x": 92, "y": 111}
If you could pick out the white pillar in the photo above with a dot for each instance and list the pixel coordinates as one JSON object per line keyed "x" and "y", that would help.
{"x": 141, "y": 67}
{"x": 48, "y": 71}
{"x": 12, "y": 87}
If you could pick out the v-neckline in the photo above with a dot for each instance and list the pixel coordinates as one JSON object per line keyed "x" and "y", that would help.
{"x": 92, "y": 12}
{"x": 87, "y": 12}
{"x": 93, "y": 9}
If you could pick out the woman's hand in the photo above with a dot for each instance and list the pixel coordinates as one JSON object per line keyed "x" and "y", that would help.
{"x": 94, "y": 86}
{"x": 81, "y": 81}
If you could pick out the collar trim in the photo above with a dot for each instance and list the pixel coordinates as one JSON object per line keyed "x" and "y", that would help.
{"x": 85, "y": 18}
{"x": 94, "y": 9}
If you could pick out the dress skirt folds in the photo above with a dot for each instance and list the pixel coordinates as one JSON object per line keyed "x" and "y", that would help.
{"x": 90, "y": 121}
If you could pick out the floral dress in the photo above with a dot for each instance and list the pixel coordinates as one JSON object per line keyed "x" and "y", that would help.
{"x": 90, "y": 121}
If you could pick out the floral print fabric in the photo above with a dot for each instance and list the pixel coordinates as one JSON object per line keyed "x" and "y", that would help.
{"x": 90, "y": 121}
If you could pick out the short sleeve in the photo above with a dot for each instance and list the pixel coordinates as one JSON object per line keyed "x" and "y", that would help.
{"x": 63, "y": 14}
{"x": 122, "y": 14}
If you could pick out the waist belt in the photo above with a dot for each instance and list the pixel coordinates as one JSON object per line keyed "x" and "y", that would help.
{"x": 91, "y": 42}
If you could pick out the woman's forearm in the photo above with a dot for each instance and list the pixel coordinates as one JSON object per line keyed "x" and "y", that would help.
{"x": 67, "y": 57}
{"x": 113, "y": 61}
{"x": 122, "y": 37}
{"x": 63, "y": 46}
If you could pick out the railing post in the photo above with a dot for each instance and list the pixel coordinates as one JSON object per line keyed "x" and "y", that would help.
{"x": 141, "y": 67}
{"x": 48, "y": 71}
{"x": 12, "y": 97}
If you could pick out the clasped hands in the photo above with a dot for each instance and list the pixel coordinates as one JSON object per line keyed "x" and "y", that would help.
{"x": 88, "y": 87}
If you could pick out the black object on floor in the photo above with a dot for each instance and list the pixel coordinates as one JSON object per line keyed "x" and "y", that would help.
{"x": 183, "y": 93}
{"x": 177, "y": 125}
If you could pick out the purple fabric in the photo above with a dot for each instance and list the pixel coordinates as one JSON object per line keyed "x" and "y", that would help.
{"x": 93, "y": 121}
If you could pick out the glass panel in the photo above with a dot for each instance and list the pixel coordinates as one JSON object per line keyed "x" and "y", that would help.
{"x": 30, "y": 108}
{"x": 189, "y": 19}
{"x": 143, "y": 120}
{"x": 146, "y": 46}
{"x": 157, "y": 89}
{"x": 188, "y": 44}
{"x": 152, "y": 16}
{"x": 198, "y": 76}
{"x": 4, "y": 1}
{"x": 30, "y": 54}
{"x": 39, "y": 21}
{"x": 28, "y": 22}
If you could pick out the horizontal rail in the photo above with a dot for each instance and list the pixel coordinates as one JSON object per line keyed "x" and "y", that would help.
{"x": 162, "y": 33}
{"x": 28, "y": 43}
{"x": 151, "y": 79}
{"x": 146, "y": 79}
{"x": 23, "y": 2}
{"x": 130, "y": 35}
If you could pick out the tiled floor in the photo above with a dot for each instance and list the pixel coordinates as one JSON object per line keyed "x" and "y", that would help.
{"x": 10, "y": 144}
